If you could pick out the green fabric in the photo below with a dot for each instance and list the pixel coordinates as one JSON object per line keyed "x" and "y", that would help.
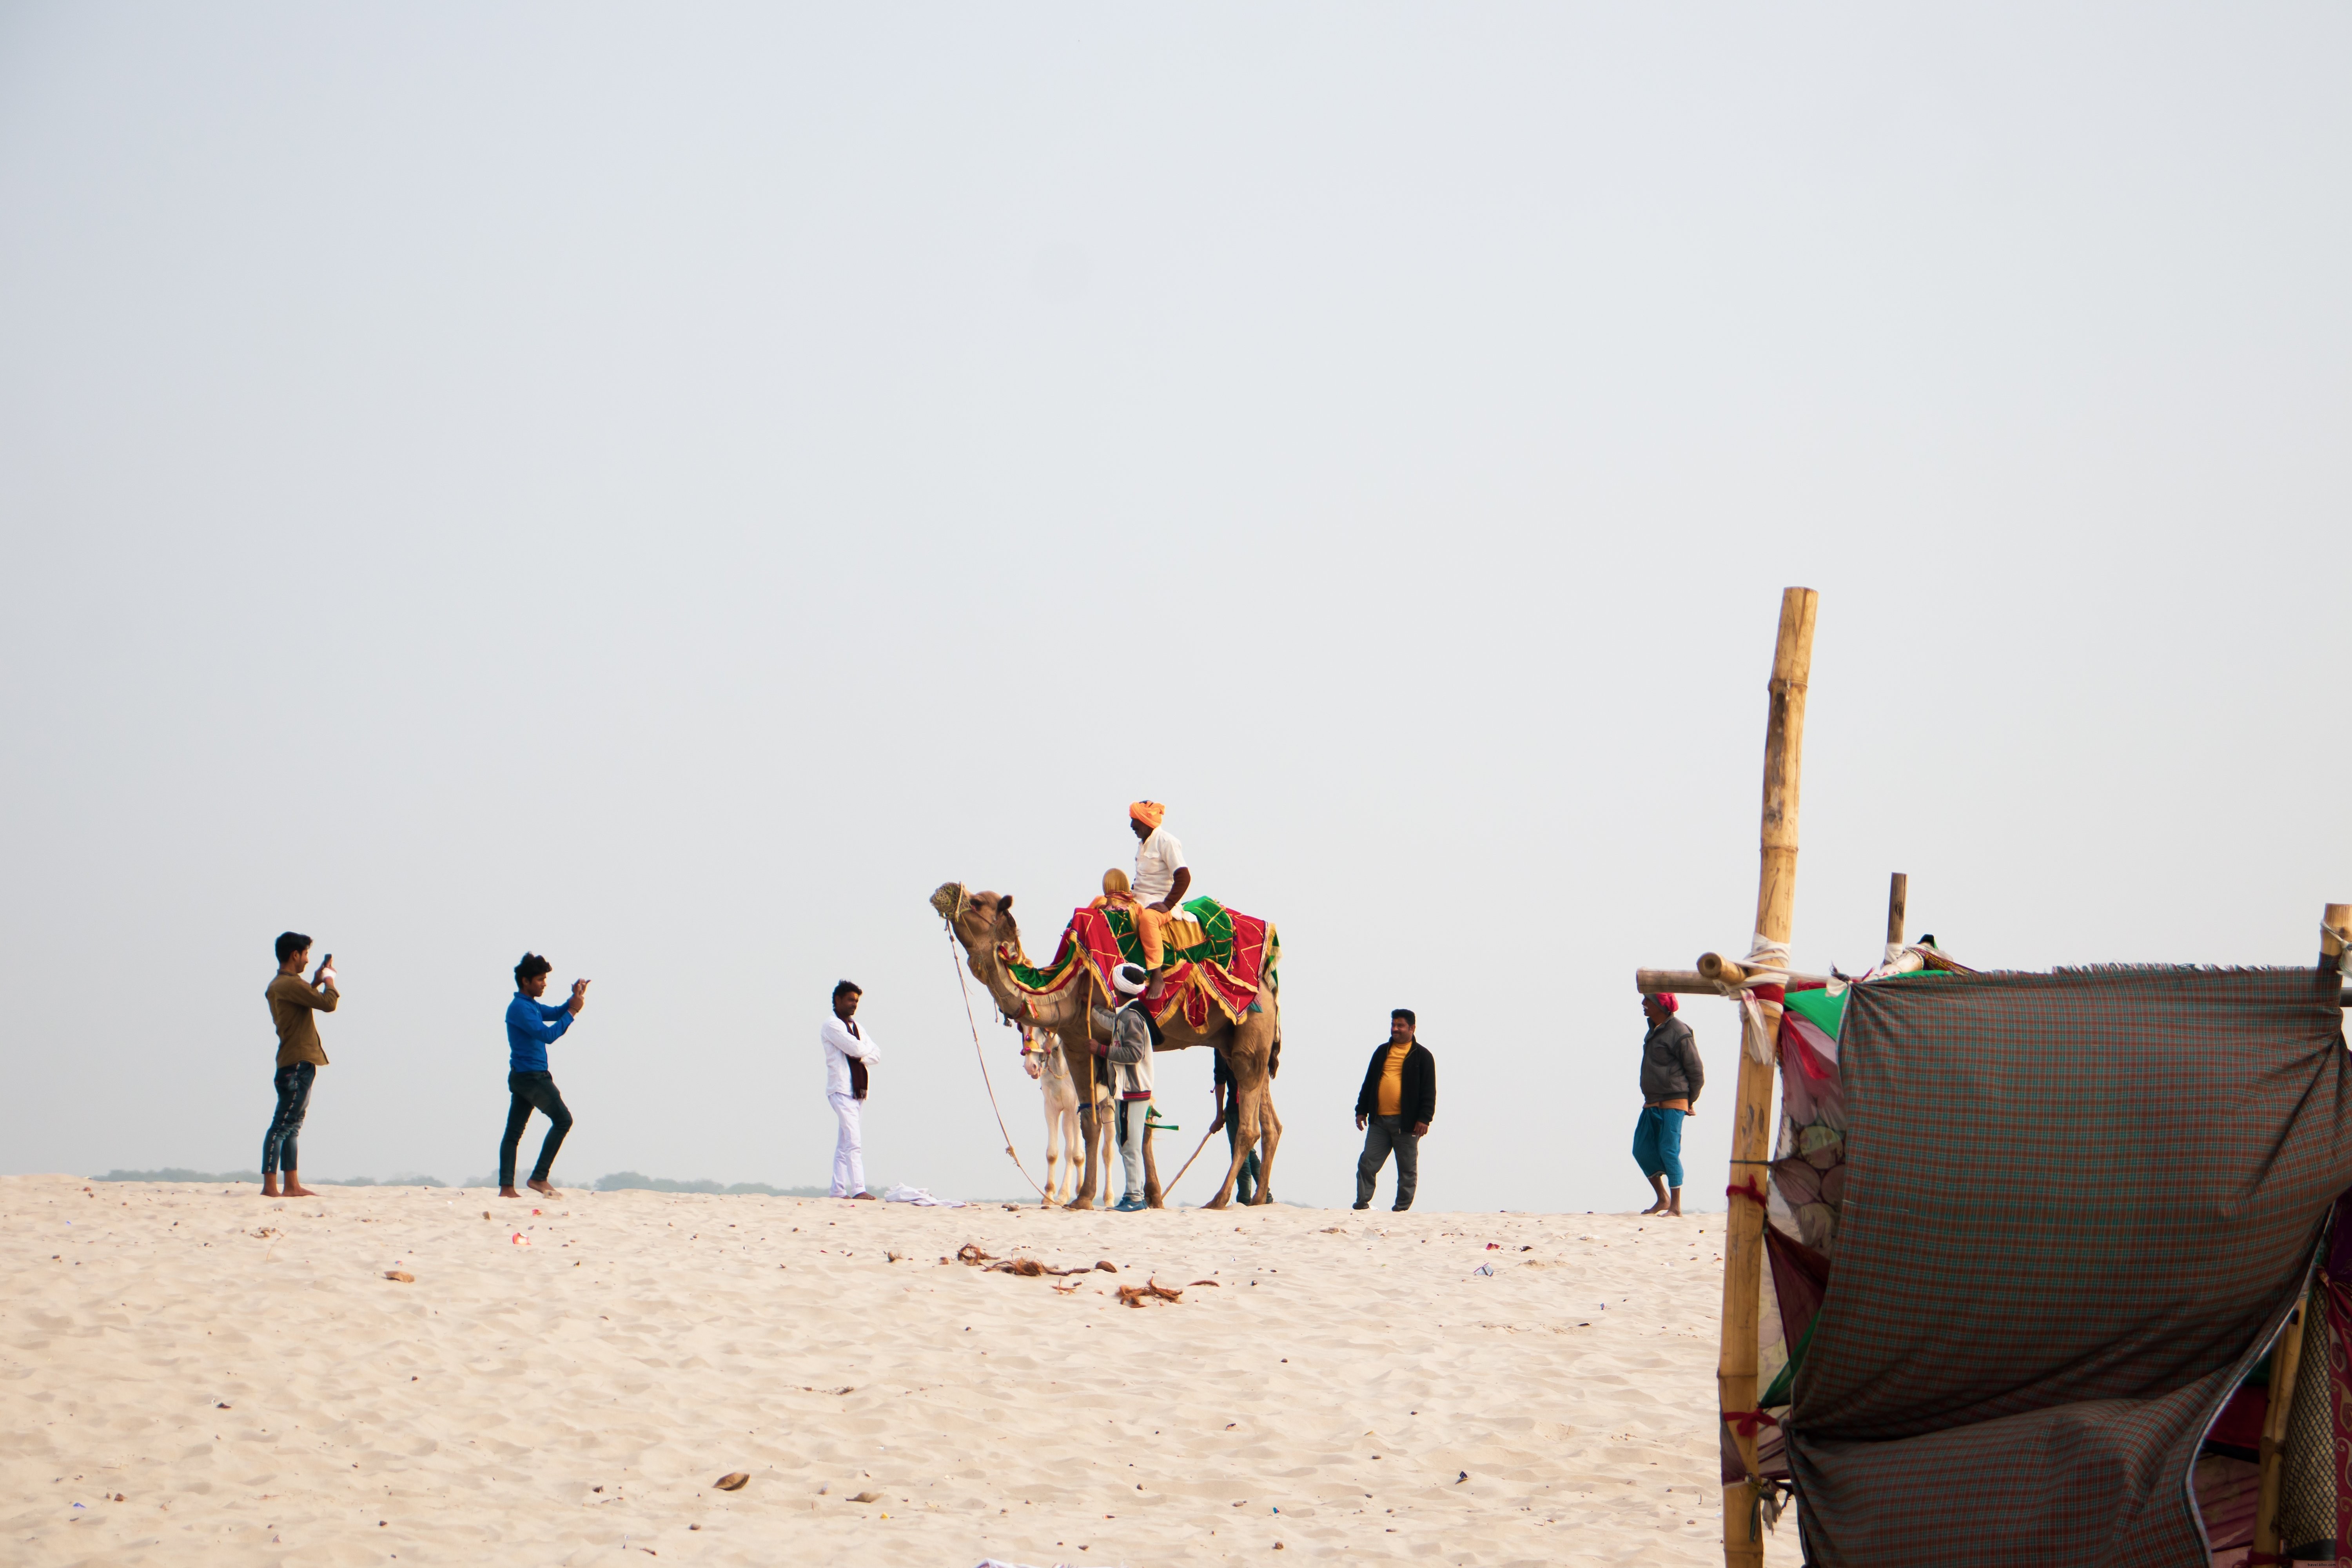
{"x": 1037, "y": 979}
{"x": 1778, "y": 1394}
{"x": 1825, "y": 1012}
{"x": 1216, "y": 945}
{"x": 1819, "y": 1008}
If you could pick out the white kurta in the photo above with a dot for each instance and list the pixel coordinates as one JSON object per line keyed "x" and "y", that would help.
{"x": 1156, "y": 860}
{"x": 840, "y": 1045}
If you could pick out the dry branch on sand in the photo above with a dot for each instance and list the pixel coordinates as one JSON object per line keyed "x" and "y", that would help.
{"x": 1136, "y": 1294}
{"x": 969, "y": 1255}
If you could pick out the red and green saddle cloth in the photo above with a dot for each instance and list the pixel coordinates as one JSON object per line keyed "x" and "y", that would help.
{"x": 1222, "y": 967}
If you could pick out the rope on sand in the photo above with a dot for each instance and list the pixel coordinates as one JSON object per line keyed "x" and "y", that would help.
{"x": 970, "y": 1018}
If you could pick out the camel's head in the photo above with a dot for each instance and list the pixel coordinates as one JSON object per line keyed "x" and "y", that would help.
{"x": 979, "y": 920}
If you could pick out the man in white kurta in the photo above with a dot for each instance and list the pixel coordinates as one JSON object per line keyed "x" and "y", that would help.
{"x": 1162, "y": 878}
{"x": 848, "y": 1052}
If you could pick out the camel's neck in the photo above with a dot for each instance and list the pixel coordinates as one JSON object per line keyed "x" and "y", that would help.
{"x": 1050, "y": 1011}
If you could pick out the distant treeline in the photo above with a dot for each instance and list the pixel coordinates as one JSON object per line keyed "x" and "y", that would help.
{"x": 174, "y": 1173}
{"x": 618, "y": 1181}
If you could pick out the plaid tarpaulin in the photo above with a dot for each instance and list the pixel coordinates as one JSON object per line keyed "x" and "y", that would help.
{"x": 2076, "y": 1207}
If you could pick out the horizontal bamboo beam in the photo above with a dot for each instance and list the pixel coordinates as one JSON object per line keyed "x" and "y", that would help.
{"x": 1690, "y": 981}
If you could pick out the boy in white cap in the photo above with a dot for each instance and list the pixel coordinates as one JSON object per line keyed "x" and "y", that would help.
{"x": 1129, "y": 1052}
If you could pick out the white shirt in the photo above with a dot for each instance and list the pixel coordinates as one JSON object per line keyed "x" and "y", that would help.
{"x": 1156, "y": 860}
{"x": 840, "y": 1045}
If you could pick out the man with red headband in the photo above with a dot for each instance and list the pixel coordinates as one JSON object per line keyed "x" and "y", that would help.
{"x": 1672, "y": 1077}
{"x": 1162, "y": 878}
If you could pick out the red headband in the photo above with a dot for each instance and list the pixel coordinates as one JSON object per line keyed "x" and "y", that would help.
{"x": 1666, "y": 999}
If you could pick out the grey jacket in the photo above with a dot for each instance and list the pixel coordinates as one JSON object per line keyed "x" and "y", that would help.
{"x": 1670, "y": 1063}
{"x": 1129, "y": 1048}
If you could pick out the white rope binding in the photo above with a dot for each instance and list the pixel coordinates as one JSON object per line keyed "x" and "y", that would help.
{"x": 1767, "y": 963}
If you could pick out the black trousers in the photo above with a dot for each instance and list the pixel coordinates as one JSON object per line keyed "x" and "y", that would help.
{"x": 1382, "y": 1134}
{"x": 293, "y": 1083}
{"x": 533, "y": 1091}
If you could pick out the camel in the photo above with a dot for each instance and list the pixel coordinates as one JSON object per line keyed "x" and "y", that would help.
{"x": 1042, "y": 1055}
{"x": 1252, "y": 1050}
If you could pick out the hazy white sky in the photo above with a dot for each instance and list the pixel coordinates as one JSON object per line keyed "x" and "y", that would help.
{"x": 669, "y": 486}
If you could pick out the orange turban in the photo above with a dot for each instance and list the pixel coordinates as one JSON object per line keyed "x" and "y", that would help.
{"x": 1150, "y": 813}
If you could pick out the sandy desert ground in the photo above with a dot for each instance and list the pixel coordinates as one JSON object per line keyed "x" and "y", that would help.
{"x": 197, "y": 1375}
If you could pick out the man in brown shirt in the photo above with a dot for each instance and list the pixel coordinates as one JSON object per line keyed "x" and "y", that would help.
{"x": 293, "y": 1003}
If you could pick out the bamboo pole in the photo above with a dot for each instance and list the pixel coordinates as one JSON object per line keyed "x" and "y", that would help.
{"x": 1752, "y": 1129}
{"x": 1898, "y": 894}
{"x": 2287, "y": 1355}
{"x": 1691, "y": 983}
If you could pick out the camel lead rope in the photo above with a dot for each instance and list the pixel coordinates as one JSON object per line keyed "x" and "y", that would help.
{"x": 972, "y": 1019}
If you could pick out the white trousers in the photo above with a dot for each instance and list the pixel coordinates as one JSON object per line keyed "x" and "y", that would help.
{"x": 1130, "y": 1148}
{"x": 849, "y": 1148}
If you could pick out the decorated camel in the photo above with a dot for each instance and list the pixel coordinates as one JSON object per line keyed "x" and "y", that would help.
{"x": 1043, "y": 1057}
{"x": 1244, "y": 1026}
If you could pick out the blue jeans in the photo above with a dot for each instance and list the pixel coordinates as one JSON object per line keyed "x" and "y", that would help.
{"x": 293, "y": 1084}
{"x": 1658, "y": 1143}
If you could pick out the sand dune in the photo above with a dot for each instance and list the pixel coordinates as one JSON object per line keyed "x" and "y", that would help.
{"x": 567, "y": 1386}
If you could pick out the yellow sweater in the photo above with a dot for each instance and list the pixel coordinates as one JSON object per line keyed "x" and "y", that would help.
{"x": 1392, "y": 1098}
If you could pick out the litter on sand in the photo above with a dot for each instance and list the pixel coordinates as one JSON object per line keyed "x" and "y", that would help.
{"x": 733, "y": 1482}
{"x": 920, "y": 1197}
{"x": 400, "y": 1274}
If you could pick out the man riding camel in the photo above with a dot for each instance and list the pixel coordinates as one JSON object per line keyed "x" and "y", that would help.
{"x": 1162, "y": 878}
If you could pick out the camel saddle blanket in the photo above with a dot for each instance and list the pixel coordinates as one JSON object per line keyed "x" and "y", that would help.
{"x": 1216, "y": 957}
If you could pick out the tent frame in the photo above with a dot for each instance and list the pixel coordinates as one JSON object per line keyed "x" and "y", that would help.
{"x": 1737, "y": 1419}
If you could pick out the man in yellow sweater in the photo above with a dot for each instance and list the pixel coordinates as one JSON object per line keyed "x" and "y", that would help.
{"x": 1394, "y": 1109}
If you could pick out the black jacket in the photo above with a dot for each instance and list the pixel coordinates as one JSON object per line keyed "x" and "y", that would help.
{"x": 1670, "y": 1066}
{"x": 1419, "y": 1103}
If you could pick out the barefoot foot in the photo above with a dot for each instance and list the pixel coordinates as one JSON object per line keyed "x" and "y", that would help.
{"x": 543, "y": 1190}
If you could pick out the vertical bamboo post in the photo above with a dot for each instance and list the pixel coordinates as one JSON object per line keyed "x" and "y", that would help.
{"x": 1898, "y": 894}
{"x": 2287, "y": 1355}
{"x": 1751, "y": 1131}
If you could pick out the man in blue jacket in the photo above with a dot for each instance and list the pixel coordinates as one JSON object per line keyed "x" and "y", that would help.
{"x": 532, "y": 1027}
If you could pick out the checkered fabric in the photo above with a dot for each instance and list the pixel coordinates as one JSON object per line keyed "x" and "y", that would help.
{"x": 2077, "y": 1207}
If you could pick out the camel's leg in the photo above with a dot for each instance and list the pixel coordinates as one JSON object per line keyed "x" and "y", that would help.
{"x": 1082, "y": 1077}
{"x": 1151, "y": 1166}
{"x": 1061, "y": 1152}
{"x": 1254, "y": 1049}
{"x": 1233, "y": 1108}
{"x": 1053, "y": 1141}
{"x": 1270, "y": 1125}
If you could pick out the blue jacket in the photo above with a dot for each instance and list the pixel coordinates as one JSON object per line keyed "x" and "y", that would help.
{"x": 531, "y": 1027}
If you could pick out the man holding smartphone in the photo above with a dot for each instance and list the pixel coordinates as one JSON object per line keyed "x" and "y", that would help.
{"x": 532, "y": 1027}
{"x": 293, "y": 1004}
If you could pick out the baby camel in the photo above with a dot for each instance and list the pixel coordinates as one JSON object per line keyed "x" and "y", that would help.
{"x": 1041, "y": 1054}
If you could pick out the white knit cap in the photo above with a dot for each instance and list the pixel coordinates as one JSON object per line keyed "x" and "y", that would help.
{"x": 1131, "y": 979}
